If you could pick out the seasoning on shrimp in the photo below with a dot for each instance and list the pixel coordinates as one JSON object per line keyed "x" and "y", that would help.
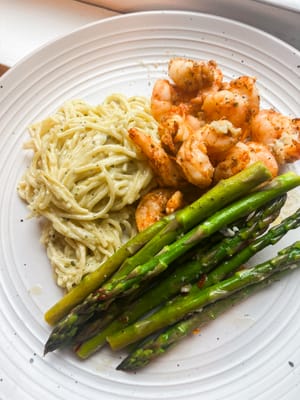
{"x": 193, "y": 80}
{"x": 238, "y": 101}
{"x": 155, "y": 204}
{"x": 167, "y": 171}
{"x": 210, "y": 129}
{"x": 194, "y": 161}
{"x": 241, "y": 156}
{"x": 281, "y": 134}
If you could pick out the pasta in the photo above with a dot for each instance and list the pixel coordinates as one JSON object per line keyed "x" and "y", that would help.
{"x": 83, "y": 179}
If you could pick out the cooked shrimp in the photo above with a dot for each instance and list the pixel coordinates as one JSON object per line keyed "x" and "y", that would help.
{"x": 238, "y": 102}
{"x": 192, "y": 80}
{"x": 163, "y": 98}
{"x": 245, "y": 86}
{"x": 194, "y": 76}
{"x": 175, "y": 128}
{"x": 197, "y": 148}
{"x": 175, "y": 202}
{"x": 279, "y": 133}
{"x": 194, "y": 161}
{"x": 165, "y": 168}
{"x": 168, "y": 99}
{"x": 156, "y": 204}
{"x": 219, "y": 137}
{"x": 241, "y": 156}
{"x": 196, "y": 79}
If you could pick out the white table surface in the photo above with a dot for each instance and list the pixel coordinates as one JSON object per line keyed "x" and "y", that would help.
{"x": 27, "y": 24}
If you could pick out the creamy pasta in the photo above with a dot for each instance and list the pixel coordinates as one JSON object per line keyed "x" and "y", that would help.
{"x": 83, "y": 179}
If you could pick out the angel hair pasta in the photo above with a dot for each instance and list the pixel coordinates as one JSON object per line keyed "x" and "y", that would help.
{"x": 84, "y": 176}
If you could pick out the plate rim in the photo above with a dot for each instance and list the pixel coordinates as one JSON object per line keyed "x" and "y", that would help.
{"x": 135, "y": 14}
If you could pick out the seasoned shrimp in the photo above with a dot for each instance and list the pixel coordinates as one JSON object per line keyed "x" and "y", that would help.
{"x": 165, "y": 168}
{"x": 168, "y": 99}
{"x": 219, "y": 137}
{"x": 241, "y": 156}
{"x": 164, "y": 97}
{"x": 238, "y": 102}
{"x": 156, "y": 204}
{"x": 193, "y": 76}
{"x": 245, "y": 86}
{"x": 194, "y": 161}
{"x": 192, "y": 80}
{"x": 279, "y": 133}
{"x": 175, "y": 128}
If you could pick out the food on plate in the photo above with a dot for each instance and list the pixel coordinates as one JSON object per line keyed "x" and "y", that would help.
{"x": 156, "y": 204}
{"x": 172, "y": 242}
{"x": 154, "y": 209}
{"x": 237, "y": 101}
{"x": 166, "y": 170}
{"x": 279, "y": 133}
{"x": 84, "y": 178}
{"x": 149, "y": 242}
{"x": 181, "y": 306}
{"x": 210, "y": 128}
{"x": 243, "y": 154}
{"x": 204, "y": 259}
{"x": 156, "y": 346}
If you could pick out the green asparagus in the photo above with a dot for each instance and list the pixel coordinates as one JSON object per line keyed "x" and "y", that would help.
{"x": 152, "y": 348}
{"x": 184, "y": 274}
{"x": 270, "y": 238}
{"x": 217, "y": 221}
{"x": 219, "y": 196}
{"x": 223, "y": 193}
{"x": 68, "y": 327}
{"x": 117, "y": 313}
{"x": 102, "y": 319}
{"x": 196, "y": 299}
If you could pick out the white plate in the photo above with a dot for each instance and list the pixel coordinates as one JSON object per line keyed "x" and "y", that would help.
{"x": 250, "y": 353}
